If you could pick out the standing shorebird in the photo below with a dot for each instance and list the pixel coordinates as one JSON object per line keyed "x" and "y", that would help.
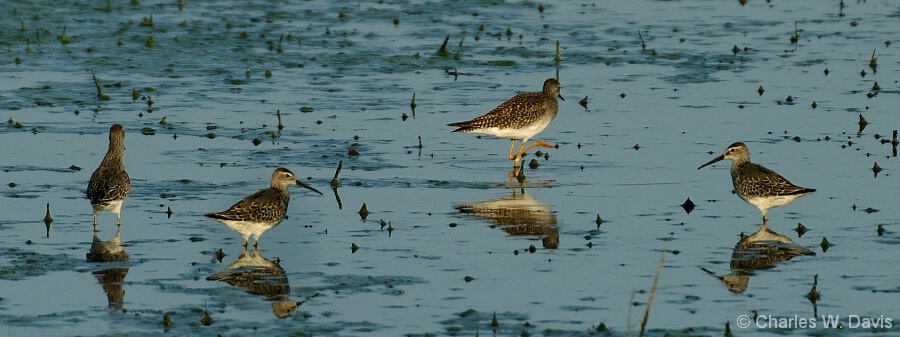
{"x": 263, "y": 210}
{"x": 519, "y": 118}
{"x": 110, "y": 185}
{"x": 756, "y": 184}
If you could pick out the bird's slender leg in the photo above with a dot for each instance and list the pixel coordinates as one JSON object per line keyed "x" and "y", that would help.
{"x": 519, "y": 175}
{"x": 534, "y": 145}
{"x": 119, "y": 219}
{"x": 511, "y": 148}
{"x": 518, "y": 157}
{"x": 95, "y": 221}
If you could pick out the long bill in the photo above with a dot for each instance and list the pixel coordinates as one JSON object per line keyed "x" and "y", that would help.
{"x": 301, "y": 184}
{"x": 715, "y": 160}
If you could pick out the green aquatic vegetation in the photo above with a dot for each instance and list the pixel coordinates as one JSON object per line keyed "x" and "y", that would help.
{"x": 146, "y": 22}
{"x": 442, "y": 52}
{"x": 63, "y": 38}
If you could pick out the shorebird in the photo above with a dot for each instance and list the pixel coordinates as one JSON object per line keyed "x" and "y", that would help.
{"x": 756, "y": 184}
{"x": 263, "y": 210}
{"x": 110, "y": 185}
{"x": 519, "y": 118}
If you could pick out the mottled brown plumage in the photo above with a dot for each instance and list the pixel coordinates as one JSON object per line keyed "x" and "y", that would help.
{"x": 756, "y": 184}
{"x": 263, "y": 210}
{"x": 110, "y": 184}
{"x": 519, "y": 118}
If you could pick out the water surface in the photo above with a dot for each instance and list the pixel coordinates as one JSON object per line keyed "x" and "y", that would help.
{"x": 344, "y": 76}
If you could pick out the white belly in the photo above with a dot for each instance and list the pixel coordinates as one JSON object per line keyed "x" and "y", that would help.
{"x": 114, "y": 206}
{"x": 512, "y": 133}
{"x": 769, "y": 202}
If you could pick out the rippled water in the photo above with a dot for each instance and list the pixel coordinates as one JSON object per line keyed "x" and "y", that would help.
{"x": 447, "y": 245}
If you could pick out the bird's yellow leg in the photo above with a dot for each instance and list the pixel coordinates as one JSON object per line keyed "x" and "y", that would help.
{"x": 512, "y": 147}
{"x": 534, "y": 145}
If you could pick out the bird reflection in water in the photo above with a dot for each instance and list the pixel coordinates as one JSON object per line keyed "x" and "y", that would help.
{"x": 111, "y": 279}
{"x": 761, "y": 250}
{"x": 260, "y": 276}
{"x": 111, "y": 250}
{"x": 518, "y": 215}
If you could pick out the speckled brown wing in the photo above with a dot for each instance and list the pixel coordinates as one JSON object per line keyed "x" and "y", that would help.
{"x": 528, "y": 108}
{"x": 753, "y": 180}
{"x": 264, "y": 206}
{"x": 107, "y": 185}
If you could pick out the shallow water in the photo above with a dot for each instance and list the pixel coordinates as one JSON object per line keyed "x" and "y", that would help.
{"x": 347, "y": 70}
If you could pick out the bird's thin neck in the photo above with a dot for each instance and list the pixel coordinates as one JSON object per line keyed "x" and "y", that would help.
{"x": 281, "y": 188}
{"x": 739, "y": 161}
{"x": 114, "y": 154}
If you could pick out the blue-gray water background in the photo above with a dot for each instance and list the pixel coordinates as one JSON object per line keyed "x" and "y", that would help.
{"x": 347, "y": 69}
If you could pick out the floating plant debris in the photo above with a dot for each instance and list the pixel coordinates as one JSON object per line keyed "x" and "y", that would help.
{"x": 801, "y": 229}
{"x": 688, "y": 206}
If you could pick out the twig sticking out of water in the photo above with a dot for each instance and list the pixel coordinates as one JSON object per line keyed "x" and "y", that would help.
{"x": 643, "y": 44}
{"x": 558, "y": 57}
{"x": 334, "y": 181}
{"x": 100, "y": 94}
{"x": 796, "y": 36}
{"x": 63, "y": 38}
{"x": 894, "y": 143}
{"x": 628, "y": 315}
{"x": 363, "y": 212}
{"x": 278, "y": 113}
{"x": 862, "y": 124}
{"x": 443, "y": 50}
{"x": 206, "y": 320}
{"x": 873, "y": 63}
{"x": 420, "y": 146}
{"x": 280, "y": 40}
{"x": 813, "y": 295}
{"x": 652, "y": 292}
{"x": 48, "y": 220}
{"x": 308, "y": 298}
